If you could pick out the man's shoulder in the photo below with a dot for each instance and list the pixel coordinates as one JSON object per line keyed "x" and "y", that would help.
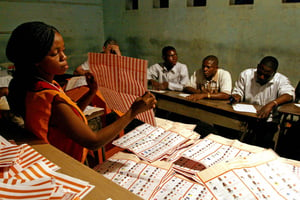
{"x": 179, "y": 64}
{"x": 248, "y": 71}
{"x": 278, "y": 77}
{"x": 157, "y": 65}
{"x": 223, "y": 71}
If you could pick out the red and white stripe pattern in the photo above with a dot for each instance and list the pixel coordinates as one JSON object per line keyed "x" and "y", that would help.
{"x": 43, "y": 188}
{"x": 28, "y": 157}
{"x": 29, "y": 175}
{"x": 4, "y": 142}
{"x": 40, "y": 170}
{"x": 10, "y": 155}
{"x": 121, "y": 80}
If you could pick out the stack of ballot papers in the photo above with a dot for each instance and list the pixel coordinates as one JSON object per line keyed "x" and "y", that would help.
{"x": 169, "y": 164}
{"x": 155, "y": 143}
{"x": 26, "y": 174}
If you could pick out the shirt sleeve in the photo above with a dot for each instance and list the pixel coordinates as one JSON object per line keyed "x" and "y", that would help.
{"x": 152, "y": 73}
{"x": 285, "y": 87}
{"x": 184, "y": 80}
{"x": 239, "y": 87}
{"x": 192, "y": 82}
{"x": 226, "y": 83}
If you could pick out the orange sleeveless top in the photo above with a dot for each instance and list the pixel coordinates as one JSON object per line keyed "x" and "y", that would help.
{"x": 39, "y": 103}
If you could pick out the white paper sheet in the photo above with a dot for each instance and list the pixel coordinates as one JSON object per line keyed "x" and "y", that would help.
{"x": 75, "y": 82}
{"x": 297, "y": 104}
{"x": 158, "y": 91}
{"x": 244, "y": 108}
{"x": 184, "y": 95}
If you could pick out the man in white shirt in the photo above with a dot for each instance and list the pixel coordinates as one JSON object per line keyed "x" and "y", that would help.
{"x": 266, "y": 87}
{"x": 209, "y": 82}
{"x": 170, "y": 74}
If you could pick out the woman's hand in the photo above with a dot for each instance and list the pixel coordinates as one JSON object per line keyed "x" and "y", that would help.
{"x": 91, "y": 82}
{"x": 143, "y": 103}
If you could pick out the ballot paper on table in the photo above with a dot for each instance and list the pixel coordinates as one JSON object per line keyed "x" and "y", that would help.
{"x": 184, "y": 95}
{"x": 158, "y": 91}
{"x": 244, "y": 108}
{"x": 26, "y": 174}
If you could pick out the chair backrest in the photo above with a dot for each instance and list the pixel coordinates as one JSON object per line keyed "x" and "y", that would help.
{"x": 297, "y": 93}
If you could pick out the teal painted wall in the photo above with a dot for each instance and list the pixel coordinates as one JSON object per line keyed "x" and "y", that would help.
{"x": 79, "y": 21}
{"x": 240, "y": 35}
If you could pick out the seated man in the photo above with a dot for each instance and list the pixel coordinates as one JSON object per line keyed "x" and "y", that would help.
{"x": 5, "y": 112}
{"x": 268, "y": 88}
{"x": 209, "y": 82}
{"x": 110, "y": 46}
{"x": 170, "y": 74}
{"x": 4, "y": 82}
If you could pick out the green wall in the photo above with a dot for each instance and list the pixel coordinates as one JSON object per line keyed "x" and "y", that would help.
{"x": 79, "y": 21}
{"x": 240, "y": 35}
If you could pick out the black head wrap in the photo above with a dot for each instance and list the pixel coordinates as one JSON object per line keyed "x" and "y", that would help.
{"x": 28, "y": 44}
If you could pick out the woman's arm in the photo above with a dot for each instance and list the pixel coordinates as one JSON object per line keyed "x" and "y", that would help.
{"x": 65, "y": 119}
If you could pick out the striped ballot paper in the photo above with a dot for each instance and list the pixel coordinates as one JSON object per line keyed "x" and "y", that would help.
{"x": 121, "y": 80}
{"x": 26, "y": 174}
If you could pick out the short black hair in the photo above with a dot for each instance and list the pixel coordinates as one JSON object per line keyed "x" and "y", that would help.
{"x": 110, "y": 41}
{"x": 211, "y": 57}
{"x": 166, "y": 49}
{"x": 270, "y": 61}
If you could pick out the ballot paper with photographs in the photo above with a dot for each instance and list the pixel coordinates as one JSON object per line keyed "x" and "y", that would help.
{"x": 26, "y": 174}
{"x": 177, "y": 143}
{"x": 156, "y": 180}
{"x": 263, "y": 175}
{"x": 152, "y": 143}
{"x": 210, "y": 168}
{"x": 121, "y": 80}
{"x": 209, "y": 151}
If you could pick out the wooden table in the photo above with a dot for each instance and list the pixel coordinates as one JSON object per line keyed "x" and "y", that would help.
{"x": 104, "y": 188}
{"x": 218, "y": 112}
{"x": 288, "y": 112}
{"x": 289, "y": 109}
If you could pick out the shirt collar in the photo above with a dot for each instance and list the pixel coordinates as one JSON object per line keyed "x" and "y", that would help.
{"x": 214, "y": 78}
{"x": 165, "y": 70}
{"x": 271, "y": 81}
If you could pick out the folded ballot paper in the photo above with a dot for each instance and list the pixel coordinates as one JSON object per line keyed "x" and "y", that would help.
{"x": 26, "y": 174}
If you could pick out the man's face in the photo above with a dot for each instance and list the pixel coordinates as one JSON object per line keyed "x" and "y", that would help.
{"x": 264, "y": 74}
{"x": 110, "y": 49}
{"x": 209, "y": 68}
{"x": 171, "y": 57}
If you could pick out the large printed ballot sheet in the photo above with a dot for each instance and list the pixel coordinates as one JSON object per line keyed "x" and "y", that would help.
{"x": 121, "y": 80}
